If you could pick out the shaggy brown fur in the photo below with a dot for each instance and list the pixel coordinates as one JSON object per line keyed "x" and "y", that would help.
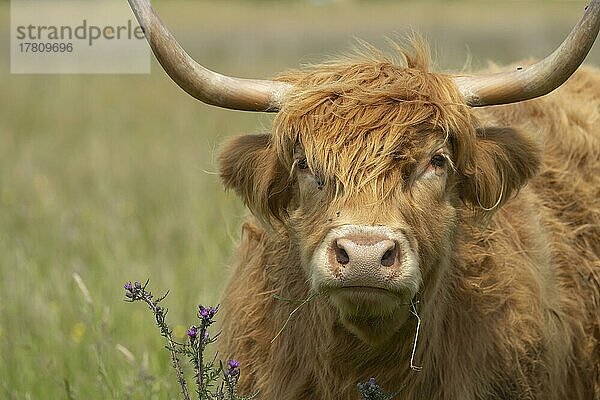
{"x": 511, "y": 273}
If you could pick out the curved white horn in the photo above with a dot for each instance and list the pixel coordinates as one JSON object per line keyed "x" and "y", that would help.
{"x": 205, "y": 85}
{"x": 537, "y": 79}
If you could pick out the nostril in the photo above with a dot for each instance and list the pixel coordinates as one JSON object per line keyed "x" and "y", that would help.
{"x": 389, "y": 257}
{"x": 341, "y": 255}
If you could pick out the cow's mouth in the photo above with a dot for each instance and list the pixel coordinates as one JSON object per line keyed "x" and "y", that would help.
{"x": 365, "y": 301}
{"x": 356, "y": 290}
{"x": 372, "y": 313}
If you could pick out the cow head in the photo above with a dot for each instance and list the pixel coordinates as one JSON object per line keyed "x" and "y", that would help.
{"x": 371, "y": 164}
{"x": 368, "y": 168}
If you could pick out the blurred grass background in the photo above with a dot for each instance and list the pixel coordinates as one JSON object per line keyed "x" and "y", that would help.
{"x": 112, "y": 178}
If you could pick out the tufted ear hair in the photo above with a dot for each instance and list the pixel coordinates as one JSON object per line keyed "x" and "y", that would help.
{"x": 249, "y": 165}
{"x": 502, "y": 161}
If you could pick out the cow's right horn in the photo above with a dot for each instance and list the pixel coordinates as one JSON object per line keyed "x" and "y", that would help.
{"x": 202, "y": 83}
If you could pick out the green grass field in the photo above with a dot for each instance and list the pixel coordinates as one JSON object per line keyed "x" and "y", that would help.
{"x": 112, "y": 178}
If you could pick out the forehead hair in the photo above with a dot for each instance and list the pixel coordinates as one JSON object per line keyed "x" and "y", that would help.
{"x": 367, "y": 117}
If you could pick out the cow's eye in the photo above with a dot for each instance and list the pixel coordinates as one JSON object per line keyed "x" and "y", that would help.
{"x": 302, "y": 163}
{"x": 438, "y": 160}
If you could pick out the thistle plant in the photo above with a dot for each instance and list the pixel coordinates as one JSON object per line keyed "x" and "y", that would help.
{"x": 206, "y": 372}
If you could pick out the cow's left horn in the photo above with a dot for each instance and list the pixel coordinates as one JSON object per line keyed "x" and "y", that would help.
{"x": 537, "y": 79}
{"x": 202, "y": 83}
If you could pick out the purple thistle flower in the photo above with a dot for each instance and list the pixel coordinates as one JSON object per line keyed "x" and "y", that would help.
{"x": 233, "y": 367}
{"x": 128, "y": 286}
{"x": 192, "y": 332}
{"x": 207, "y": 313}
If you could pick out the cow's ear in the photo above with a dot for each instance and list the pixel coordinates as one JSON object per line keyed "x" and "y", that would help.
{"x": 501, "y": 162}
{"x": 250, "y": 166}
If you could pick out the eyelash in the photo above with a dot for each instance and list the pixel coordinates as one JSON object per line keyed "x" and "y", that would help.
{"x": 302, "y": 163}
